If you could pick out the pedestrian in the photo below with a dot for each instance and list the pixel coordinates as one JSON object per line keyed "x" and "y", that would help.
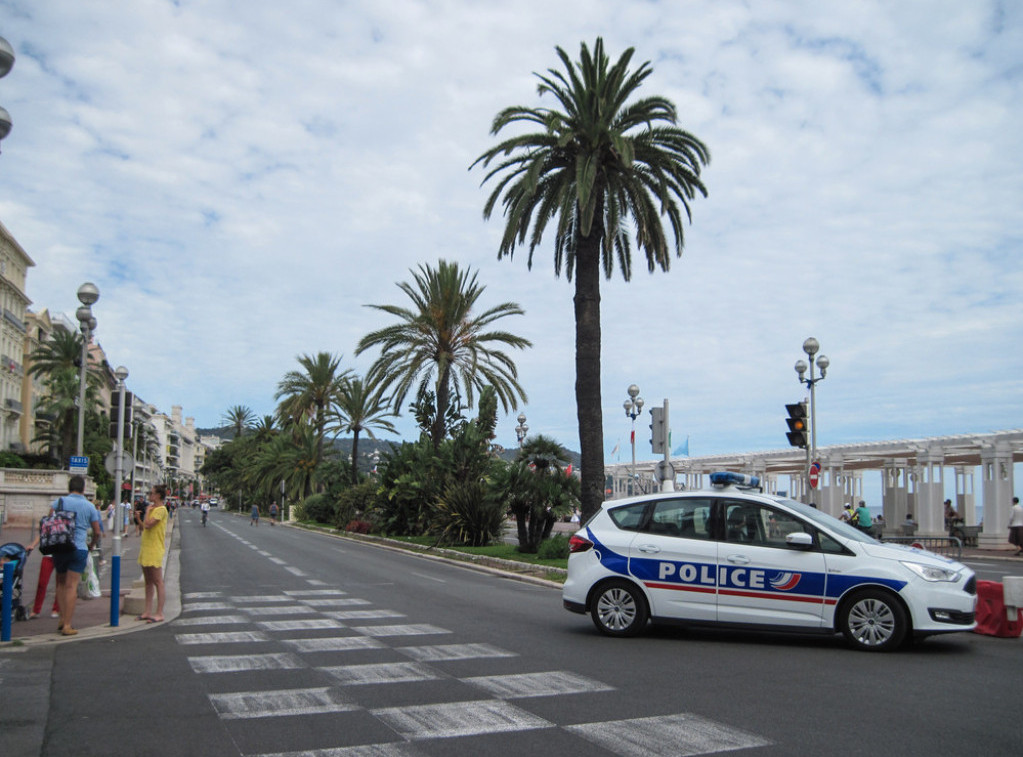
{"x": 1016, "y": 525}
{"x": 847, "y": 513}
{"x": 151, "y": 552}
{"x": 138, "y": 512}
{"x": 45, "y": 571}
{"x": 255, "y": 516}
{"x": 862, "y": 518}
{"x": 273, "y": 513}
{"x": 70, "y": 565}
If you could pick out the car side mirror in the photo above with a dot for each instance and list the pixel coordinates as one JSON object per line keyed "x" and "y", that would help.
{"x": 799, "y": 540}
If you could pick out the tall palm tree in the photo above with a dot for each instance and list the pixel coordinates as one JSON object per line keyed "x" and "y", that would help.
{"x": 310, "y": 392}
{"x": 361, "y": 406}
{"x": 240, "y": 418}
{"x": 604, "y": 167}
{"x": 443, "y": 338}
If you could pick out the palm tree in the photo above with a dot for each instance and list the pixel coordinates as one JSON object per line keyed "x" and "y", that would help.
{"x": 240, "y": 418}
{"x": 361, "y": 406}
{"x": 604, "y": 167}
{"x": 443, "y": 339}
{"x": 310, "y": 392}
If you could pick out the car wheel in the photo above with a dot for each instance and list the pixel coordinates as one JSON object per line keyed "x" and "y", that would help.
{"x": 874, "y": 621}
{"x": 619, "y": 609}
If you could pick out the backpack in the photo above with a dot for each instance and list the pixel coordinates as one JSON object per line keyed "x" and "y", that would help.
{"x": 57, "y": 531}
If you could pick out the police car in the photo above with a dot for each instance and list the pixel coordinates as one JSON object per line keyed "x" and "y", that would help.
{"x": 737, "y": 557}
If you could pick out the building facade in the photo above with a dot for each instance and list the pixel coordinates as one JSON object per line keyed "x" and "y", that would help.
{"x": 14, "y": 265}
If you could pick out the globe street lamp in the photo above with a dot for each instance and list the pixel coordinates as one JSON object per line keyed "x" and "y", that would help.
{"x": 6, "y": 63}
{"x": 633, "y": 407}
{"x": 521, "y": 429}
{"x": 88, "y": 293}
{"x": 811, "y": 347}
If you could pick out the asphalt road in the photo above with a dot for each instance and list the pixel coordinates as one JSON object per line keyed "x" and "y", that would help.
{"x": 291, "y": 642}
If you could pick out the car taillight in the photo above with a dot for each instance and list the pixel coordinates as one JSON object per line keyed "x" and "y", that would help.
{"x": 579, "y": 544}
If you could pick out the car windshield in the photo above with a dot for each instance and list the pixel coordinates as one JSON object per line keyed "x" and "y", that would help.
{"x": 834, "y": 525}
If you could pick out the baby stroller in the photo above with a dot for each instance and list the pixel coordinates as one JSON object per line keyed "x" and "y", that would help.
{"x": 14, "y": 554}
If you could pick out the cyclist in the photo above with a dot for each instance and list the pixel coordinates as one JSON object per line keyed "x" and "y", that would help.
{"x": 205, "y": 507}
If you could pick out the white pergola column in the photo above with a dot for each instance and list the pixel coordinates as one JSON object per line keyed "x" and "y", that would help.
{"x": 930, "y": 493}
{"x": 966, "y": 500}
{"x": 832, "y": 490}
{"x": 997, "y": 481}
{"x": 895, "y": 492}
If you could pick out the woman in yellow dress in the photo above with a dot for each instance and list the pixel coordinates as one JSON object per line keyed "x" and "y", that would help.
{"x": 154, "y": 532}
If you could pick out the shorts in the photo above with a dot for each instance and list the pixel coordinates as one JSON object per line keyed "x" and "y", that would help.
{"x": 74, "y": 561}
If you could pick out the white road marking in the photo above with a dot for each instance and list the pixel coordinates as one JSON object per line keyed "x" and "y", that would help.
{"x": 278, "y": 610}
{"x": 524, "y": 685}
{"x": 397, "y": 749}
{"x": 414, "y": 629}
{"x": 441, "y": 652}
{"x": 227, "y": 637}
{"x": 334, "y": 644}
{"x": 262, "y": 704}
{"x": 318, "y": 582}
{"x": 459, "y": 719}
{"x": 339, "y": 602}
{"x": 238, "y": 663}
{"x": 261, "y": 598}
{"x": 307, "y": 624}
{"x": 680, "y": 735}
{"x": 364, "y": 614}
{"x": 278, "y": 560}
{"x": 316, "y": 592}
{"x": 201, "y": 595}
{"x": 390, "y": 672}
{"x": 295, "y": 571}
{"x": 204, "y": 606}
{"x": 210, "y": 620}
{"x": 429, "y": 578}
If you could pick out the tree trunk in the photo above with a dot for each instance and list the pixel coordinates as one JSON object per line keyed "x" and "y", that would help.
{"x": 355, "y": 456}
{"x": 441, "y": 408}
{"x": 587, "y": 373}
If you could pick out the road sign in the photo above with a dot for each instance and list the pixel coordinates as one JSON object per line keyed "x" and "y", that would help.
{"x": 78, "y": 464}
{"x": 815, "y": 475}
{"x": 127, "y": 463}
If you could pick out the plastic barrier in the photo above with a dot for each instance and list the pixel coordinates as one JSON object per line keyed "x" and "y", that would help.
{"x": 991, "y": 616}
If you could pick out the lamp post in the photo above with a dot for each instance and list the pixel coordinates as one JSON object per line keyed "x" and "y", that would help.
{"x": 811, "y": 347}
{"x": 633, "y": 407}
{"x": 521, "y": 429}
{"x": 115, "y": 561}
{"x": 6, "y": 64}
{"x": 88, "y": 293}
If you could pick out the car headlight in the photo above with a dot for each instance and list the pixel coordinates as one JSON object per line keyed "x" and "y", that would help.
{"x": 932, "y": 573}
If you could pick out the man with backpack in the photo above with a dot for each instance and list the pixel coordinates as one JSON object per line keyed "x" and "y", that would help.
{"x": 70, "y": 565}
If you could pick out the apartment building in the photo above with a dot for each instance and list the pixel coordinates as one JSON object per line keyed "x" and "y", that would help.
{"x": 14, "y": 265}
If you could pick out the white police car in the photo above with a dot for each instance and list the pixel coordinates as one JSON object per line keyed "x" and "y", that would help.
{"x": 734, "y": 556}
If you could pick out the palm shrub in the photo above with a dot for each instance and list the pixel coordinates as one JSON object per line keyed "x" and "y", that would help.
{"x": 468, "y": 515}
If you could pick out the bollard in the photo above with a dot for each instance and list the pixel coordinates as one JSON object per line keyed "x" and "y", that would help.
{"x": 5, "y": 610}
{"x": 115, "y": 586}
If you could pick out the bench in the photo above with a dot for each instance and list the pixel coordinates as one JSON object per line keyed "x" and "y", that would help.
{"x": 967, "y": 534}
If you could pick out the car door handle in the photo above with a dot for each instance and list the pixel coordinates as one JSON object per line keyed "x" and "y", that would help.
{"x": 738, "y": 559}
{"x": 649, "y": 549}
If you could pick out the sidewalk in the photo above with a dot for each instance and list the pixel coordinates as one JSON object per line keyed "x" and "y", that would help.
{"x": 92, "y": 616}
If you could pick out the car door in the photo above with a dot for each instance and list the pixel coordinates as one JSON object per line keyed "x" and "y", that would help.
{"x": 762, "y": 579}
{"x": 674, "y": 556}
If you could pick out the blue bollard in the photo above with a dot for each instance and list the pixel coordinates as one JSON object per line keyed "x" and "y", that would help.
{"x": 5, "y": 610}
{"x": 115, "y": 590}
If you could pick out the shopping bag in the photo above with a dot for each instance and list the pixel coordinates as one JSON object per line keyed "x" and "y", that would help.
{"x": 89, "y": 586}
{"x": 57, "y": 531}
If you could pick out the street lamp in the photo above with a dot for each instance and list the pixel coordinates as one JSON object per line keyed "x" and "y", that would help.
{"x": 119, "y": 461}
{"x": 811, "y": 347}
{"x": 633, "y": 407}
{"x": 6, "y": 63}
{"x": 521, "y": 429}
{"x": 88, "y": 293}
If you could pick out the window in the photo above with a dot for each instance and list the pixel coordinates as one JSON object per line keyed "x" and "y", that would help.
{"x": 688, "y": 518}
{"x": 629, "y": 517}
{"x": 752, "y": 523}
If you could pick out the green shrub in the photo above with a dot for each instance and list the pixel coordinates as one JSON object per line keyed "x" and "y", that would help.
{"x": 466, "y": 515}
{"x": 555, "y": 548}
{"x": 358, "y": 527}
{"x": 319, "y": 508}
{"x": 352, "y": 503}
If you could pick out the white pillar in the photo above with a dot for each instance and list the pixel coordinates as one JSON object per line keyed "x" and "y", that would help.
{"x": 997, "y": 480}
{"x": 930, "y": 493}
{"x": 896, "y": 494}
{"x": 966, "y": 500}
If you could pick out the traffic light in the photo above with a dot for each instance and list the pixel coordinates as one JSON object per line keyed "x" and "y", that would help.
{"x": 798, "y": 425}
{"x": 128, "y": 400}
{"x": 658, "y": 433}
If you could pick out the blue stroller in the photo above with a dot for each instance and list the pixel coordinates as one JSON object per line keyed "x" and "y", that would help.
{"x": 14, "y": 554}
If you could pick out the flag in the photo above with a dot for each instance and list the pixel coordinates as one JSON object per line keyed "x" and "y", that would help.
{"x": 683, "y": 449}
{"x": 618, "y": 446}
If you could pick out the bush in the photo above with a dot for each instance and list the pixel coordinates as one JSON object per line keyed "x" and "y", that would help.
{"x": 319, "y": 508}
{"x": 466, "y": 515}
{"x": 358, "y": 527}
{"x": 353, "y": 502}
{"x": 555, "y": 548}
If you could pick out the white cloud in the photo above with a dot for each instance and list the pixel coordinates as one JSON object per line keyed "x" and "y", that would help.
{"x": 241, "y": 185}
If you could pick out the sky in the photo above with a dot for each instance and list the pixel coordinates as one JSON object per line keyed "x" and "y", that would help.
{"x": 242, "y": 180}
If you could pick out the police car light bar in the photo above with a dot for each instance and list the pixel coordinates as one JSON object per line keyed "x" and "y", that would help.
{"x": 727, "y": 478}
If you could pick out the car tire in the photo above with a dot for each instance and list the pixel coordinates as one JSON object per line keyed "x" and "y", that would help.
{"x": 618, "y": 608}
{"x": 874, "y": 621}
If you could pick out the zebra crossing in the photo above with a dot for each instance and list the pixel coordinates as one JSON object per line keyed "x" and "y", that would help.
{"x": 332, "y": 654}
